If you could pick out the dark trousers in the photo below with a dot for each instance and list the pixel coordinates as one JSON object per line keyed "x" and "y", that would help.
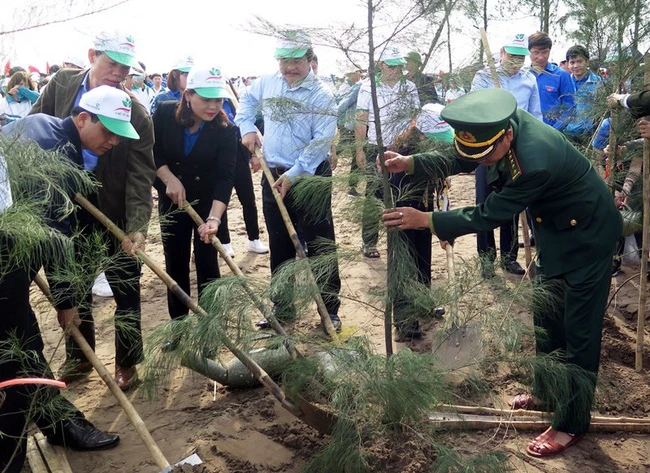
{"x": 246, "y": 196}
{"x": 281, "y": 246}
{"x": 572, "y": 328}
{"x": 123, "y": 276}
{"x": 22, "y": 356}
{"x": 413, "y": 245}
{"x": 509, "y": 238}
{"x": 177, "y": 229}
{"x": 418, "y": 245}
{"x": 346, "y": 146}
{"x": 371, "y": 220}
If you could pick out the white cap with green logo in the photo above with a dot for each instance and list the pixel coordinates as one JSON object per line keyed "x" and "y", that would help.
{"x": 184, "y": 64}
{"x": 113, "y": 108}
{"x": 118, "y": 46}
{"x": 516, "y": 44}
{"x": 208, "y": 82}
{"x": 292, "y": 44}
{"x": 392, "y": 56}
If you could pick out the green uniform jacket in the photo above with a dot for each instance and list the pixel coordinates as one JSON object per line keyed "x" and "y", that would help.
{"x": 126, "y": 173}
{"x": 639, "y": 104}
{"x": 575, "y": 219}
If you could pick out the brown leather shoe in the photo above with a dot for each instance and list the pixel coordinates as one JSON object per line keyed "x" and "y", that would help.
{"x": 125, "y": 377}
{"x": 73, "y": 370}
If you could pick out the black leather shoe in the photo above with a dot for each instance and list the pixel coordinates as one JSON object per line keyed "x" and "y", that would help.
{"x": 262, "y": 324}
{"x": 408, "y": 332}
{"x": 439, "y": 312}
{"x": 336, "y": 322}
{"x": 170, "y": 345}
{"x": 79, "y": 434}
{"x": 74, "y": 370}
{"x": 283, "y": 316}
{"x": 532, "y": 242}
{"x": 513, "y": 267}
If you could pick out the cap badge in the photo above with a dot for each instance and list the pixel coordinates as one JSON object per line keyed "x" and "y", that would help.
{"x": 467, "y": 137}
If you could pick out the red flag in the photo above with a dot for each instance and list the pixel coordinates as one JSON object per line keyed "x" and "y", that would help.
{"x": 8, "y": 67}
{"x": 33, "y": 69}
{"x": 47, "y": 68}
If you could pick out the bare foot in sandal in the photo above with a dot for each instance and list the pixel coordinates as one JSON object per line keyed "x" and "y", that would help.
{"x": 369, "y": 251}
{"x": 551, "y": 442}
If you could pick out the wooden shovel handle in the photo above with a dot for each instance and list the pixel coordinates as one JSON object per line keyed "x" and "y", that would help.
{"x": 124, "y": 402}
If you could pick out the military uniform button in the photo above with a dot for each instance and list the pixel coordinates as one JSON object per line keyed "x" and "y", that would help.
{"x": 197, "y": 178}
{"x": 573, "y": 222}
{"x": 538, "y": 219}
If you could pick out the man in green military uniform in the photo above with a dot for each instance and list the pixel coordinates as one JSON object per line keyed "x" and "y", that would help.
{"x": 533, "y": 166}
{"x": 639, "y": 103}
{"x": 639, "y": 106}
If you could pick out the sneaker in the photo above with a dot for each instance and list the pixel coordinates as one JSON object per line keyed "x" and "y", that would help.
{"x": 101, "y": 287}
{"x": 229, "y": 250}
{"x": 257, "y": 246}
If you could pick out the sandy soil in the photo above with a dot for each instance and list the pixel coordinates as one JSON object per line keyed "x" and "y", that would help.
{"x": 247, "y": 431}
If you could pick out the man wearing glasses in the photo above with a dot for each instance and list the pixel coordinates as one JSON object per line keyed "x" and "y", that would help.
{"x": 299, "y": 126}
{"x": 531, "y": 165}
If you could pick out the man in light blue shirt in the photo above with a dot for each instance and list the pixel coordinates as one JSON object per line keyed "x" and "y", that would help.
{"x": 299, "y": 126}
{"x": 523, "y": 85}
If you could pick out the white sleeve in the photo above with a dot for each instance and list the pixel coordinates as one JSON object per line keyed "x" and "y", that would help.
{"x": 5, "y": 187}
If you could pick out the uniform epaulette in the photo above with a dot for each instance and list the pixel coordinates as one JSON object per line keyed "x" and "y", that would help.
{"x": 513, "y": 163}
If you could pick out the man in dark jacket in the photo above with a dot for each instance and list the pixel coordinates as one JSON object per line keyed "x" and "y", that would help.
{"x": 577, "y": 225}
{"x": 126, "y": 174}
{"x": 94, "y": 125}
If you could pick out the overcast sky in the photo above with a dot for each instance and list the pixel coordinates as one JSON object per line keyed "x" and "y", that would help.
{"x": 215, "y": 31}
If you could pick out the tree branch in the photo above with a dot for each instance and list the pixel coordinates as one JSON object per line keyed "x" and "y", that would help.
{"x": 63, "y": 20}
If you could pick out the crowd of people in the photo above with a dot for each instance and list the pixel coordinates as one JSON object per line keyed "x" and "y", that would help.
{"x": 193, "y": 134}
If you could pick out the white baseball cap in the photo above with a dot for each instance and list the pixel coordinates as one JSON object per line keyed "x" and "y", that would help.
{"x": 78, "y": 61}
{"x": 431, "y": 124}
{"x": 516, "y": 44}
{"x": 292, "y": 44}
{"x": 113, "y": 108}
{"x": 208, "y": 82}
{"x": 118, "y": 46}
{"x": 392, "y": 56}
{"x": 184, "y": 64}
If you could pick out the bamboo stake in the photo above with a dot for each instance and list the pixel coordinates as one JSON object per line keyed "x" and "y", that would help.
{"x": 264, "y": 379}
{"x": 320, "y": 304}
{"x": 522, "y": 216}
{"x": 479, "y": 410}
{"x": 643, "y": 282}
{"x": 36, "y": 461}
{"x": 263, "y": 308}
{"x": 55, "y": 457}
{"x": 124, "y": 402}
{"x": 300, "y": 251}
{"x": 476, "y": 422}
